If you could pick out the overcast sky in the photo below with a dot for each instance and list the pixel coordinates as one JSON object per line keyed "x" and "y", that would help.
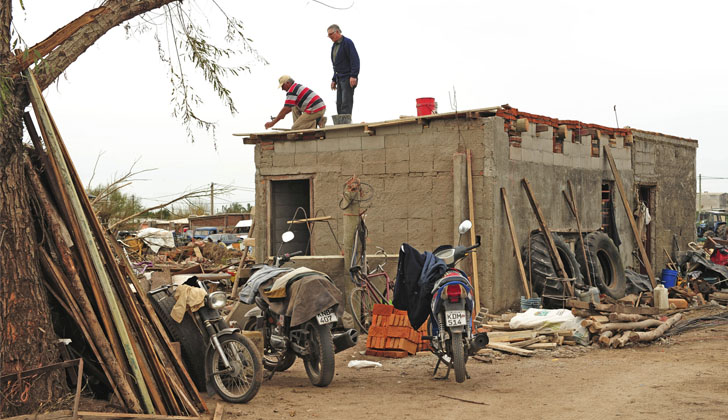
{"x": 662, "y": 63}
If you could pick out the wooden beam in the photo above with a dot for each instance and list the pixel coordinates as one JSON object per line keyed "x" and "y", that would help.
{"x": 510, "y": 349}
{"x": 516, "y": 247}
{"x": 632, "y": 223}
{"x": 471, "y": 210}
{"x": 571, "y": 200}
{"x": 561, "y": 271}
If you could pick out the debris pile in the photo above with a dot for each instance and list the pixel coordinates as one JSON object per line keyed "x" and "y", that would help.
{"x": 96, "y": 288}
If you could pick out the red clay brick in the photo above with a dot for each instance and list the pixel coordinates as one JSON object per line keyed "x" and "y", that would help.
{"x": 382, "y": 309}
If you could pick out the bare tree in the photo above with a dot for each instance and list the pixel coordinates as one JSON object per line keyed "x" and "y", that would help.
{"x": 27, "y": 339}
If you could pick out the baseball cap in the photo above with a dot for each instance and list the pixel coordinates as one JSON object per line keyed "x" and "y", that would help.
{"x": 283, "y": 79}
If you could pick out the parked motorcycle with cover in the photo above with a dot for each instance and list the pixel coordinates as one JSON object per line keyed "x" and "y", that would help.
{"x": 443, "y": 295}
{"x": 296, "y": 311}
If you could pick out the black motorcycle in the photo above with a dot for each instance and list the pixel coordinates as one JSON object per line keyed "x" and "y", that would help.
{"x": 232, "y": 364}
{"x": 300, "y": 323}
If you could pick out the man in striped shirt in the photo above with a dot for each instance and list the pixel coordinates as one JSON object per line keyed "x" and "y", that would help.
{"x": 308, "y": 108}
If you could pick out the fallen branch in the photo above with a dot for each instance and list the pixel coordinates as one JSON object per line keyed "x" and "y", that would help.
{"x": 624, "y": 326}
{"x": 657, "y": 332}
{"x": 617, "y": 317}
{"x": 463, "y": 400}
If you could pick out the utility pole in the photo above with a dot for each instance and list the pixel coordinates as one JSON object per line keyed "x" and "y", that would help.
{"x": 212, "y": 198}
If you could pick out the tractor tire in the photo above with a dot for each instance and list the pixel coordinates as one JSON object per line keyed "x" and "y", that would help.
{"x": 605, "y": 264}
{"x": 538, "y": 263}
{"x": 192, "y": 343}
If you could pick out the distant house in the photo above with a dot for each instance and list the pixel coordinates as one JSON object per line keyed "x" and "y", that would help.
{"x": 225, "y": 222}
{"x": 410, "y": 165}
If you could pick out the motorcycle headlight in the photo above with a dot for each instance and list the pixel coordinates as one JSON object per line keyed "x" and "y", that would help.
{"x": 216, "y": 300}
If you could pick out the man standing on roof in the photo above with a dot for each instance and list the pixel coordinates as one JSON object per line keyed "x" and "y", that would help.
{"x": 308, "y": 108}
{"x": 346, "y": 69}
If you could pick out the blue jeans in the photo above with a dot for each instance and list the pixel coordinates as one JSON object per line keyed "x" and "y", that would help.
{"x": 344, "y": 96}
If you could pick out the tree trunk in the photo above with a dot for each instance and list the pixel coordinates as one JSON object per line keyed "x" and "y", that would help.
{"x": 28, "y": 339}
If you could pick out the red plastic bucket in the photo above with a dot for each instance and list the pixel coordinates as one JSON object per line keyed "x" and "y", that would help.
{"x": 426, "y": 106}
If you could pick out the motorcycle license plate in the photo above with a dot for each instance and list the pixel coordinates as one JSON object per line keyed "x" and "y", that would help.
{"x": 454, "y": 318}
{"x": 326, "y": 317}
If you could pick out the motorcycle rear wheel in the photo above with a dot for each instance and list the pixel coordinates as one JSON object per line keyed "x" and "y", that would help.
{"x": 319, "y": 363}
{"x": 243, "y": 383}
{"x": 360, "y": 305}
{"x": 274, "y": 360}
{"x": 458, "y": 356}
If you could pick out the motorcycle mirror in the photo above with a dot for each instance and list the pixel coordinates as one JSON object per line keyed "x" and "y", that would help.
{"x": 465, "y": 226}
{"x": 287, "y": 236}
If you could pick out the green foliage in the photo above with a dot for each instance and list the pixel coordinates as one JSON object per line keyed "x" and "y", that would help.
{"x": 189, "y": 44}
{"x": 114, "y": 206}
{"x": 237, "y": 208}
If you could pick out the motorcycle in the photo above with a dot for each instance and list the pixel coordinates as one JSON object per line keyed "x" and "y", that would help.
{"x": 300, "y": 323}
{"x": 232, "y": 365}
{"x": 450, "y": 325}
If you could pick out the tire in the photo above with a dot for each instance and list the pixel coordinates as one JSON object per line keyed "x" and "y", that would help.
{"x": 273, "y": 360}
{"x": 360, "y": 305}
{"x": 243, "y": 383}
{"x": 605, "y": 264}
{"x": 192, "y": 343}
{"x": 458, "y": 356}
{"x": 320, "y": 361}
{"x": 541, "y": 266}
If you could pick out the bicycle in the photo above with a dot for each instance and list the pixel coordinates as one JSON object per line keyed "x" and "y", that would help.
{"x": 366, "y": 293}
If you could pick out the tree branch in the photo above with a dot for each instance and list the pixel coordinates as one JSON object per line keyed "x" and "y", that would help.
{"x": 115, "y": 12}
{"x": 193, "y": 194}
{"x": 6, "y": 16}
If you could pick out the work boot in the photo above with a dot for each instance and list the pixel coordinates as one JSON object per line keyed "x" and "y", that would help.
{"x": 322, "y": 122}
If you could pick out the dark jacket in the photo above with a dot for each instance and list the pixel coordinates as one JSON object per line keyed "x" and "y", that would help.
{"x": 347, "y": 59}
{"x": 416, "y": 274}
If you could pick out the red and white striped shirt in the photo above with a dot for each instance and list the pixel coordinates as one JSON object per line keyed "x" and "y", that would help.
{"x": 304, "y": 99}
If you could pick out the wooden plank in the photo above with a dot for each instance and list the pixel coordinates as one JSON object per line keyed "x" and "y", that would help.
{"x": 542, "y": 346}
{"x": 510, "y": 349}
{"x": 311, "y": 219}
{"x": 471, "y": 210}
{"x": 219, "y": 409}
{"x": 525, "y": 343}
{"x": 508, "y": 336}
{"x": 628, "y": 210}
{"x": 571, "y": 200}
{"x": 547, "y": 234}
{"x": 54, "y": 144}
{"x": 100, "y": 415}
{"x": 516, "y": 246}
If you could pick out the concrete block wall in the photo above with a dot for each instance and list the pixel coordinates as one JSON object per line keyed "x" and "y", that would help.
{"x": 409, "y": 169}
{"x": 668, "y": 163}
{"x": 534, "y": 156}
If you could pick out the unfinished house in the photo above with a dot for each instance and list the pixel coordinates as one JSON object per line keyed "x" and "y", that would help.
{"x": 416, "y": 171}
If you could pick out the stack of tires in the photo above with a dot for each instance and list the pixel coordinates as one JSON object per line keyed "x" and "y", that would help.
{"x": 602, "y": 258}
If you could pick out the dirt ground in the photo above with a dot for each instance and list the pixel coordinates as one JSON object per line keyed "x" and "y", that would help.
{"x": 684, "y": 377}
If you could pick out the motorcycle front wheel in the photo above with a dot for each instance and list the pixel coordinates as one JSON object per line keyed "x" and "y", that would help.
{"x": 319, "y": 363}
{"x": 273, "y": 360}
{"x": 242, "y": 382}
{"x": 458, "y": 356}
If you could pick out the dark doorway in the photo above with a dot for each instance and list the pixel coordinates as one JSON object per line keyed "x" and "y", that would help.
{"x": 286, "y": 198}
{"x": 646, "y": 196}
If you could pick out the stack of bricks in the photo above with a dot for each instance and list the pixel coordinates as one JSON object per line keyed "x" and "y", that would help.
{"x": 391, "y": 334}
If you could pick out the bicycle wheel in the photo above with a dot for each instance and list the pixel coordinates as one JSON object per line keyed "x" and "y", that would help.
{"x": 360, "y": 305}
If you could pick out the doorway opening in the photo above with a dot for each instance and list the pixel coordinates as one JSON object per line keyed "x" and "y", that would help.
{"x": 286, "y": 197}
